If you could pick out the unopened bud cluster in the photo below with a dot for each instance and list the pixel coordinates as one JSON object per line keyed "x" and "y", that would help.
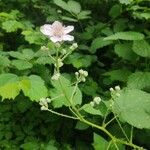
{"x": 96, "y": 101}
{"x": 73, "y": 46}
{"x": 44, "y": 103}
{"x": 44, "y": 48}
{"x": 81, "y": 75}
{"x": 115, "y": 90}
{"x": 59, "y": 63}
{"x": 55, "y": 76}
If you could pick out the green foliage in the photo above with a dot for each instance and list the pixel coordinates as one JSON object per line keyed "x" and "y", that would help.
{"x": 133, "y": 107}
{"x": 141, "y": 48}
{"x": 125, "y": 51}
{"x": 113, "y": 46}
{"x": 139, "y": 80}
{"x": 32, "y": 87}
{"x": 128, "y": 35}
{"x": 59, "y": 98}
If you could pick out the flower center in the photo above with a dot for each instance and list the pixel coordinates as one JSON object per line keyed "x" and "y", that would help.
{"x": 58, "y": 30}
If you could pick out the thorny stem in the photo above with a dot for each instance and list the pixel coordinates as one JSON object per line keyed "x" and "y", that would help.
{"x": 122, "y": 129}
{"x": 75, "y": 111}
{"x": 131, "y": 134}
{"x": 106, "y": 124}
{"x": 63, "y": 115}
{"x": 114, "y": 139}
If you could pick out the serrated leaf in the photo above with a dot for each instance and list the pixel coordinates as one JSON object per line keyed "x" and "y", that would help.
{"x": 99, "y": 43}
{"x": 21, "y": 64}
{"x": 16, "y": 55}
{"x": 139, "y": 80}
{"x": 62, "y": 93}
{"x": 133, "y": 107}
{"x": 37, "y": 88}
{"x": 115, "y": 10}
{"x": 33, "y": 37}
{"x": 74, "y": 6}
{"x": 62, "y": 4}
{"x": 44, "y": 60}
{"x": 125, "y": 51}
{"x": 99, "y": 142}
{"x": 118, "y": 75}
{"x": 84, "y": 14}
{"x": 9, "y": 86}
{"x": 142, "y": 48}
{"x": 12, "y": 25}
{"x": 128, "y": 35}
{"x": 30, "y": 145}
{"x": 80, "y": 60}
{"x": 126, "y": 1}
{"x": 4, "y": 61}
{"x": 89, "y": 109}
{"x": 81, "y": 126}
{"x": 69, "y": 19}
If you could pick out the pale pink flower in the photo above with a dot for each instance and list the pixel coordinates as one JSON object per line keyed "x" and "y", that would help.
{"x": 57, "y": 32}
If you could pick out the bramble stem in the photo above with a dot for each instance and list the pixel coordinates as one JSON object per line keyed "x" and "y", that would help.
{"x": 63, "y": 115}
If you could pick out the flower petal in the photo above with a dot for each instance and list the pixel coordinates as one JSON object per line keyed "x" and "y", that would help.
{"x": 68, "y": 29}
{"x": 57, "y": 24}
{"x": 46, "y": 29}
{"x": 56, "y": 39}
{"x": 68, "y": 37}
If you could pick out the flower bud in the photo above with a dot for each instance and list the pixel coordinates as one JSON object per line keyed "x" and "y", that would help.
{"x": 44, "y": 108}
{"x": 85, "y": 73}
{"x": 59, "y": 11}
{"x": 97, "y": 100}
{"x": 63, "y": 51}
{"x": 73, "y": 46}
{"x": 55, "y": 76}
{"x": 44, "y": 48}
{"x": 117, "y": 88}
{"x": 77, "y": 73}
{"x": 111, "y": 89}
{"x": 48, "y": 100}
{"x": 92, "y": 103}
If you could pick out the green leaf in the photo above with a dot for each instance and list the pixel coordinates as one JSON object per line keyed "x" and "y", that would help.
{"x": 37, "y": 88}
{"x": 99, "y": 43}
{"x": 16, "y": 55}
{"x": 21, "y": 64}
{"x": 99, "y": 142}
{"x": 126, "y": 2}
{"x": 62, "y": 93}
{"x": 128, "y": 35}
{"x": 118, "y": 75}
{"x": 30, "y": 145}
{"x": 79, "y": 60}
{"x": 4, "y": 61}
{"x": 9, "y": 86}
{"x": 142, "y": 48}
{"x": 89, "y": 109}
{"x": 44, "y": 60}
{"x": 62, "y": 4}
{"x": 33, "y": 37}
{"x": 133, "y": 107}
{"x": 139, "y": 80}
{"x": 74, "y": 6}
{"x": 81, "y": 126}
{"x": 69, "y": 19}
{"x": 84, "y": 14}
{"x": 125, "y": 51}
{"x": 115, "y": 11}
{"x": 12, "y": 25}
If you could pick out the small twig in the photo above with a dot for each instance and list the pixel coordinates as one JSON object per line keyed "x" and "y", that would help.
{"x": 63, "y": 115}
